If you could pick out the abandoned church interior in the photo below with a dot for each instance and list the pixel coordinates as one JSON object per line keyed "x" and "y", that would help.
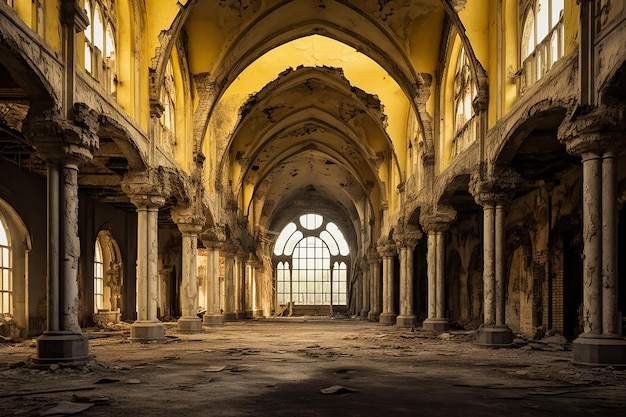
{"x": 415, "y": 163}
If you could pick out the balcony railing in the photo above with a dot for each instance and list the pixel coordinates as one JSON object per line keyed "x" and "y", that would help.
{"x": 546, "y": 53}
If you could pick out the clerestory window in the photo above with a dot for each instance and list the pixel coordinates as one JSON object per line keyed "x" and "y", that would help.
{"x": 6, "y": 280}
{"x": 311, "y": 258}
{"x": 168, "y": 120}
{"x": 100, "y": 59}
{"x": 464, "y": 91}
{"x": 542, "y": 40}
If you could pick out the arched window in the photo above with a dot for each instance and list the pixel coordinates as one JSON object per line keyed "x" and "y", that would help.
{"x": 542, "y": 40}
{"x": 311, "y": 257}
{"x": 98, "y": 278}
{"x": 100, "y": 43}
{"x": 464, "y": 91}
{"x": 168, "y": 120}
{"x": 6, "y": 281}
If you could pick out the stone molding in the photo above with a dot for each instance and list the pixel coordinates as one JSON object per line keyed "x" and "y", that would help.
{"x": 594, "y": 131}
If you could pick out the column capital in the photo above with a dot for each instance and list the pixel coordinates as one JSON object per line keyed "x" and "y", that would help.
{"x": 386, "y": 247}
{"x": 407, "y": 236}
{"x": 498, "y": 188}
{"x": 149, "y": 188}
{"x": 593, "y": 130}
{"x": 229, "y": 249}
{"x": 57, "y": 138}
{"x": 187, "y": 219}
{"x": 438, "y": 220}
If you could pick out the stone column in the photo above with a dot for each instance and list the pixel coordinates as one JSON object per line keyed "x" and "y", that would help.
{"x": 601, "y": 343}
{"x": 65, "y": 144}
{"x": 255, "y": 286}
{"x": 493, "y": 195}
{"x": 147, "y": 327}
{"x": 375, "y": 285}
{"x": 213, "y": 313}
{"x": 406, "y": 242}
{"x": 388, "y": 250}
{"x": 436, "y": 224}
{"x": 228, "y": 253}
{"x": 189, "y": 322}
{"x": 365, "y": 286}
{"x": 240, "y": 284}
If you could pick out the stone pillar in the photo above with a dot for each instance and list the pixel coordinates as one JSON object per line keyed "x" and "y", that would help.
{"x": 602, "y": 342}
{"x": 388, "y": 250}
{"x": 436, "y": 224}
{"x": 365, "y": 286}
{"x": 255, "y": 286}
{"x": 228, "y": 253}
{"x": 213, "y": 313}
{"x": 493, "y": 195}
{"x": 375, "y": 285}
{"x": 240, "y": 284}
{"x": 147, "y": 327}
{"x": 406, "y": 242}
{"x": 64, "y": 144}
{"x": 189, "y": 322}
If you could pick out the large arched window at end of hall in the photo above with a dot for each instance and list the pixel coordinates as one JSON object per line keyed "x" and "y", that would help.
{"x": 311, "y": 258}
{"x": 100, "y": 43}
{"x": 6, "y": 282}
{"x": 107, "y": 274}
{"x": 542, "y": 41}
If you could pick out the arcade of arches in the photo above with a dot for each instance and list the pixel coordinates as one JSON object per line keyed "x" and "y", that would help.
{"x": 410, "y": 162}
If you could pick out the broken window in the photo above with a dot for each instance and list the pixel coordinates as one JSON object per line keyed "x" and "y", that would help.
{"x": 100, "y": 60}
{"x": 311, "y": 258}
{"x": 6, "y": 290}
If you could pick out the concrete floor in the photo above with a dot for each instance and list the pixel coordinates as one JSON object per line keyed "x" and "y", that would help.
{"x": 283, "y": 368}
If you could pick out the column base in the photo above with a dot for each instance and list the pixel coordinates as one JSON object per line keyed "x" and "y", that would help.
{"x": 405, "y": 321}
{"x": 59, "y": 346}
{"x": 494, "y": 336}
{"x": 373, "y": 316}
{"x": 147, "y": 331}
{"x": 230, "y": 316}
{"x": 249, "y": 314}
{"x": 240, "y": 315}
{"x": 364, "y": 314}
{"x": 257, "y": 314}
{"x": 211, "y": 320}
{"x": 387, "y": 319}
{"x": 436, "y": 325}
{"x": 599, "y": 350}
{"x": 190, "y": 325}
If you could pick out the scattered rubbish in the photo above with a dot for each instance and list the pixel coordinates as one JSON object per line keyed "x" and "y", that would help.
{"x": 67, "y": 408}
{"x": 337, "y": 389}
{"x": 132, "y": 381}
{"x": 90, "y": 399}
{"x": 214, "y": 369}
{"x": 106, "y": 381}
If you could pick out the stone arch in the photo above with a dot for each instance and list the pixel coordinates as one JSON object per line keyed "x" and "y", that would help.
{"x": 21, "y": 245}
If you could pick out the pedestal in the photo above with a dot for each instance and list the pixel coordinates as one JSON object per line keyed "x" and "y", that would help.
{"x": 364, "y": 315}
{"x": 599, "y": 350}
{"x": 230, "y": 316}
{"x": 146, "y": 331}
{"x": 494, "y": 336}
{"x": 387, "y": 319}
{"x": 373, "y": 316}
{"x": 257, "y": 313}
{"x": 405, "y": 321}
{"x": 240, "y": 315}
{"x": 59, "y": 346}
{"x": 249, "y": 314}
{"x": 436, "y": 325}
{"x": 212, "y": 320}
{"x": 190, "y": 325}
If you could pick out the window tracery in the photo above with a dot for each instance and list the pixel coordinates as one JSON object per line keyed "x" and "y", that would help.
{"x": 168, "y": 120}
{"x": 542, "y": 41}
{"x": 100, "y": 44}
{"x": 98, "y": 278}
{"x": 311, "y": 258}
